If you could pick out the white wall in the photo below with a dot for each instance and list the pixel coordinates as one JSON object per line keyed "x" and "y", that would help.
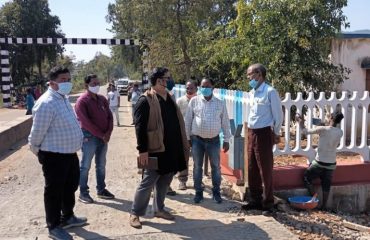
{"x": 350, "y": 53}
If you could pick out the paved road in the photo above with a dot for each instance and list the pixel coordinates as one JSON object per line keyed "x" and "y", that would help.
{"x": 22, "y": 211}
{"x": 9, "y": 114}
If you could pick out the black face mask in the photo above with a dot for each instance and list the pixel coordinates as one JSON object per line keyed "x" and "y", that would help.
{"x": 170, "y": 84}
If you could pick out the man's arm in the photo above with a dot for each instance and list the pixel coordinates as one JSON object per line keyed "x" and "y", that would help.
{"x": 110, "y": 120}
{"x": 225, "y": 123}
{"x": 277, "y": 111}
{"x": 42, "y": 118}
{"x": 118, "y": 99}
{"x": 83, "y": 117}
{"x": 141, "y": 114}
{"x": 316, "y": 130}
{"x": 189, "y": 118}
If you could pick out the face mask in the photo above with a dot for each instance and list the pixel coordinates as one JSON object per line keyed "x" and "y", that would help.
{"x": 64, "y": 88}
{"x": 170, "y": 84}
{"x": 94, "y": 89}
{"x": 206, "y": 91}
{"x": 253, "y": 83}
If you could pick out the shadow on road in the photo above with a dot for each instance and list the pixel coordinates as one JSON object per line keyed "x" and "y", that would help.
{"x": 207, "y": 203}
{"x": 85, "y": 234}
{"x": 209, "y": 229}
{"x": 117, "y": 204}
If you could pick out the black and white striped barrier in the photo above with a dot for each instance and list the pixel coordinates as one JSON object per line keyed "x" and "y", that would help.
{"x": 6, "y": 81}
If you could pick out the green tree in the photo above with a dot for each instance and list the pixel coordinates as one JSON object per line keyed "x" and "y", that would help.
{"x": 103, "y": 66}
{"x": 170, "y": 29}
{"x": 29, "y": 18}
{"x": 292, "y": 38}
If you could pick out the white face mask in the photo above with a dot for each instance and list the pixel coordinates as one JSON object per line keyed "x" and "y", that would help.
{"x": 94, "y": 89}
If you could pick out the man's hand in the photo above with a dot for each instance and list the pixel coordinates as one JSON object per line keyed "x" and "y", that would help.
{"x": 225, "y": 147}
{"x": 189, "y": 141}
{"x": 276, "y": 138}
{"x": 34, "y": 150}
{"x": 144, "y": 158}
{"x": 106, "y": 138}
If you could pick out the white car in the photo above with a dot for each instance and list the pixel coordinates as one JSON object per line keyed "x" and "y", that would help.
{"x": 122, "y": 85}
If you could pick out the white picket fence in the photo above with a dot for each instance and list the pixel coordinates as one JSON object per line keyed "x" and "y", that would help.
{"x": 354, "y": 107}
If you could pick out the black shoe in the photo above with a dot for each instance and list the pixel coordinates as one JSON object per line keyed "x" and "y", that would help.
{"x": 171, "y": 192}
{"x": 85, "y": 198}
{"x": 217, "y": 197}
{"x": 268, "y": 211}
{"x": 105, "y": 194}
{"x": 198, "y": 197}
{"x": 59, "y": 233}
{"x": 251, "y": 206}
{"x": 73, "y": 222}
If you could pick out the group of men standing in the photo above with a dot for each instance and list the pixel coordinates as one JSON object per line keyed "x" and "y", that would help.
{"x": 165, "y": 131}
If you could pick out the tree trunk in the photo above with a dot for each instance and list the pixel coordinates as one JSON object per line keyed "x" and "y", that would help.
{"x": 183, "y": 43}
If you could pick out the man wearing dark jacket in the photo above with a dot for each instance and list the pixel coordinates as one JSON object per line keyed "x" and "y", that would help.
{"x": 160, "y": 133}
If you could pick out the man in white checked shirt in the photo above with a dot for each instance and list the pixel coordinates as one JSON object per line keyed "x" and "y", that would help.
{"x": 205, "y": 117}
{"x": 55, "y": 138}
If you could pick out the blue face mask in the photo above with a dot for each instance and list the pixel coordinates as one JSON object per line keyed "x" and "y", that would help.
{"x": 206, "y": 91}
{"x": 64, "y": 88}
{"x": 170, "y": 84}
{"x": 253, "y": 83}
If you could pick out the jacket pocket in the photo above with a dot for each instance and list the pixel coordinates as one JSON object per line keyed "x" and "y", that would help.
{"x": 154, "y": 140}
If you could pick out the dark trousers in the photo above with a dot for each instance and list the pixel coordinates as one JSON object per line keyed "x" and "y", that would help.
{"x": 61, "y": 173}
{"x": 260, "y": 165}
{"x": 315, "y": 171}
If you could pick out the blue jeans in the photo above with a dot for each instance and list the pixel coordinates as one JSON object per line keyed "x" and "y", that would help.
{"x": 212, "y": 147}
{"x": 90, "y": 147}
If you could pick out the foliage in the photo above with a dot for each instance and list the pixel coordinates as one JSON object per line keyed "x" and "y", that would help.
{"x": 103, "y": 66}
{"x": 292, "y": 38}
{"x": 171, "y": 29}
{"x": 29, "y": 18}
{"x": 219, "y": 39}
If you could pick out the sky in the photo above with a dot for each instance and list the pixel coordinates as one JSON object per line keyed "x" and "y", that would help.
{"x": 86, "y": 18}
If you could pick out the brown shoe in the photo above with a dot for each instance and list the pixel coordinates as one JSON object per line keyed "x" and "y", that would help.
{"x": 135, "y": 221}
{"x": 165, "y": 215}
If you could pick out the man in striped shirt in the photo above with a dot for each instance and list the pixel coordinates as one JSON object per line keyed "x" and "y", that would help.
{"x": 205, "y": 117}
{"x": 55, "y": 138}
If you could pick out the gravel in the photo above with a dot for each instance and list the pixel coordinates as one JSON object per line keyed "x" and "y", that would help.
{"x": 310, "y": 225}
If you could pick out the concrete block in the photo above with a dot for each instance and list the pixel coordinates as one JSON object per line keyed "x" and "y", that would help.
{"x": 13, "y": 131}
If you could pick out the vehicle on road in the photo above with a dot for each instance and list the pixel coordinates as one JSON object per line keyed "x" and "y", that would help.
{"x": 122, "y": 85}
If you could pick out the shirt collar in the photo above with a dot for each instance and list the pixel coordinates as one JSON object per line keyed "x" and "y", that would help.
{"x": 261, "y": 88}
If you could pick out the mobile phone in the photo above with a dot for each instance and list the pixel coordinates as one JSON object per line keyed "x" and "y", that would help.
{"x": 316, "y": 121}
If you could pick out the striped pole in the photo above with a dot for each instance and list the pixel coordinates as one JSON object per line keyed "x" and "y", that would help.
{"x": 73, "y": 41}
{"x": 6, "y": 81}
{"x": 5, "y": 77}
